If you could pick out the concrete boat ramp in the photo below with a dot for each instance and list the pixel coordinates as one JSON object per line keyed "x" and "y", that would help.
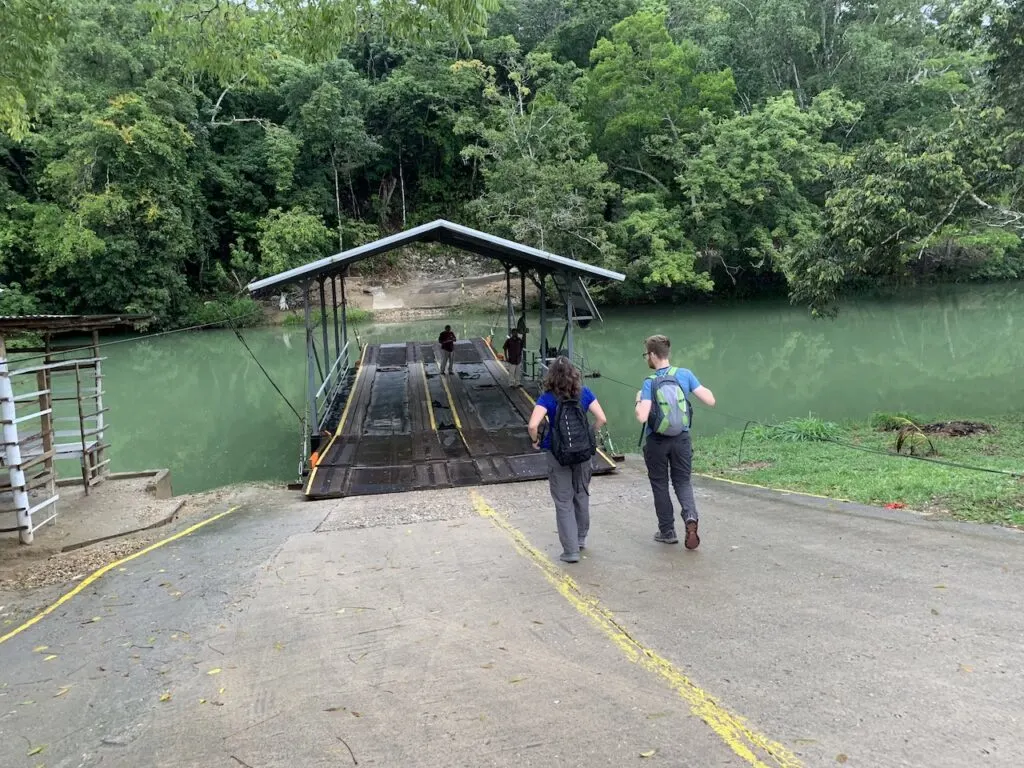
{"x": 435, "y": 629}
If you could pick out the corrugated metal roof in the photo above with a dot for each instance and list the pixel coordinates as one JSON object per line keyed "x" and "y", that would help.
{"x": 441, "y": 231}
{"x": 65, "y": 323}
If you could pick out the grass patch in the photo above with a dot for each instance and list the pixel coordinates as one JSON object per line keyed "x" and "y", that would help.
{"x": 353, "y": 315}
{"x": 802, "y": 430}
{"x": 788, "y": 456}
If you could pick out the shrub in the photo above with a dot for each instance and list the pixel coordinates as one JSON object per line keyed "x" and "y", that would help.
{"x": 804, "y": 429}
{"x": 240, "y": 311}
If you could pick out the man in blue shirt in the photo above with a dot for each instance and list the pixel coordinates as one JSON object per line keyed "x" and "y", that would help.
{"x": 669, "y": 458}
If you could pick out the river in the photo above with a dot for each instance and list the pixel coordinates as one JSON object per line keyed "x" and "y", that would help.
{"x": 197, "y": 403}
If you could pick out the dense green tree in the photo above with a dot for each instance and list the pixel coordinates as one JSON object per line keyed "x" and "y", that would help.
{"x": 543, "y": 185}
{"x": 29, "y": 31}
{"x": 156, "y": 156}
{"x": 645, "y": 91}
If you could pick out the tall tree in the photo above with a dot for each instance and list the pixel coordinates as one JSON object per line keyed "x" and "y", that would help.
{"x": 543, "y": 185}
{"x": 645, "y": 91}
{"x": 29, "y": 31}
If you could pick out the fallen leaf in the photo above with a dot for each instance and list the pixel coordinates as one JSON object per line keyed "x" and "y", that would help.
{"x": 335, "y": 709}
{"x": 165, "y": 696}
{"x": 221, "y": 691}
{"x": 215, "y": 671}
{"x": 278, "y": 646}
{"x": 36, "y": 750}
{"x": 965, "y": 668}
{"x": 516, "y": 680}
{"x": 40, "y": 648}
{"x": 62, "y": 691}
{"x": 202, "y": 701}
{"x": 94, "y": 619}
{"x": 488, "y": 665}
{"x": 356, "y": 714}
{"x": 934, "y": 612}
{"x": 939, "y": 586}
{"x": 648, "y": 753}
{"x": 537, "y": 622}
{"x": 841, "y": 758}
{"x": 51, "y": 657}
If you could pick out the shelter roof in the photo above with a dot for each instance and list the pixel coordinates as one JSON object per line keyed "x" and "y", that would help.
{"x": 440, "y": 231}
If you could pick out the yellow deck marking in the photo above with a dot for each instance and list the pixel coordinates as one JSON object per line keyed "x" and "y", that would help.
{"x": 109, "y": 567}
{"x": 430, "y": 402}
{"x": 341, "y": 422}
{"x": 756, "y": 749}
{"x": 776, "y": 490}
{"x": 451, "y": 403}
{"x": 455, "y": 412}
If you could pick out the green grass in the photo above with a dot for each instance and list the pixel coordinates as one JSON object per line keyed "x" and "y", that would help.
{"x": 354, "y": 315}
{"x": 792, "y": 456}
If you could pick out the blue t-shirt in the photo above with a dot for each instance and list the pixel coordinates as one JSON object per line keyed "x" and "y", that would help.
{"x": 550, "y": 403}
{"x": 685, "y": 378}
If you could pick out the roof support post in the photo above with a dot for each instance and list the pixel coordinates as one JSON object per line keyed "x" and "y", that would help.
{"x": 344, "y": 310}
{"x": 310, "y": 363}
{"x": 522, "y": 304}
{"x": 328, "y": 366}
{"x": 570, "y": 347}
{"x": 334, "y": 305}
{"x": 541, "y": 281}
{"x": 508, "y": 300}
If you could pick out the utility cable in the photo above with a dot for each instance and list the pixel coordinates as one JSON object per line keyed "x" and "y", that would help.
{"x": 229, "y": 321}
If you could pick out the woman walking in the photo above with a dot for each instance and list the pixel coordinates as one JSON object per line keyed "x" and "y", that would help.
{"x": 569, "y": 443}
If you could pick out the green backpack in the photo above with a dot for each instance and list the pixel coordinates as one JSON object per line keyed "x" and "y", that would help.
{"x": 671, "y": 412}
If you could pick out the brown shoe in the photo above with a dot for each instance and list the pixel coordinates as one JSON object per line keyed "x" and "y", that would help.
{"x": 692, "y": 540}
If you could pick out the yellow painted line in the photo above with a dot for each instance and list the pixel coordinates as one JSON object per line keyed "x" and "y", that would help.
{"x": 455, "y": 413}
{"x": 95, "y": 575}
{"x": 451, "y": 403}
{"x": 341, "y": 422}
{"x": 754, "y": 748}
{"x": 430, "y": 402}
{"x": 769, "y": 488}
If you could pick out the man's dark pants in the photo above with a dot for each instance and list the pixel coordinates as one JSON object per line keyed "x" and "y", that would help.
{"x": 669, "y": 459}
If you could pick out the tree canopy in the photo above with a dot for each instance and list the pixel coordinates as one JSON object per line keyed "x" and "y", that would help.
{"x": 155, "y": 156}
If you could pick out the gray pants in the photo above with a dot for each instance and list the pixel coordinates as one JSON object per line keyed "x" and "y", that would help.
{"x": 570, "y": 490}
{"x": 447, "y": 361}
{"x": 669, "y": 458}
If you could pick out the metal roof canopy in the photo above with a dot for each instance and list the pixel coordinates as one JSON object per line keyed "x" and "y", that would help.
{"x": 440, "y": 231}
{"x": 65, "y": 323}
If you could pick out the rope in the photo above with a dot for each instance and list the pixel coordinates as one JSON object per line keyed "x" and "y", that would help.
{"x": 252, "y": 354}
{"x": 841, "y": 443}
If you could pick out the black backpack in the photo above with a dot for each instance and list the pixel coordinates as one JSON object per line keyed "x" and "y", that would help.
{"x": 572, "y": 440}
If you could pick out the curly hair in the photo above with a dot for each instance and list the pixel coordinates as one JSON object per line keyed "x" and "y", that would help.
{"x": 563, "y": 379}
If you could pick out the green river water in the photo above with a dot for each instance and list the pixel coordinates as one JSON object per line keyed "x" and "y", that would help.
{"x": 198, "y": 404}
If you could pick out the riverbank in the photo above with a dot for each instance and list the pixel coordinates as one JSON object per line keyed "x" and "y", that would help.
{"x": 858, "y": 461}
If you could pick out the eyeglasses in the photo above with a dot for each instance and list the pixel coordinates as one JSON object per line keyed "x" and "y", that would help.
{"x": 645, "y": 355}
